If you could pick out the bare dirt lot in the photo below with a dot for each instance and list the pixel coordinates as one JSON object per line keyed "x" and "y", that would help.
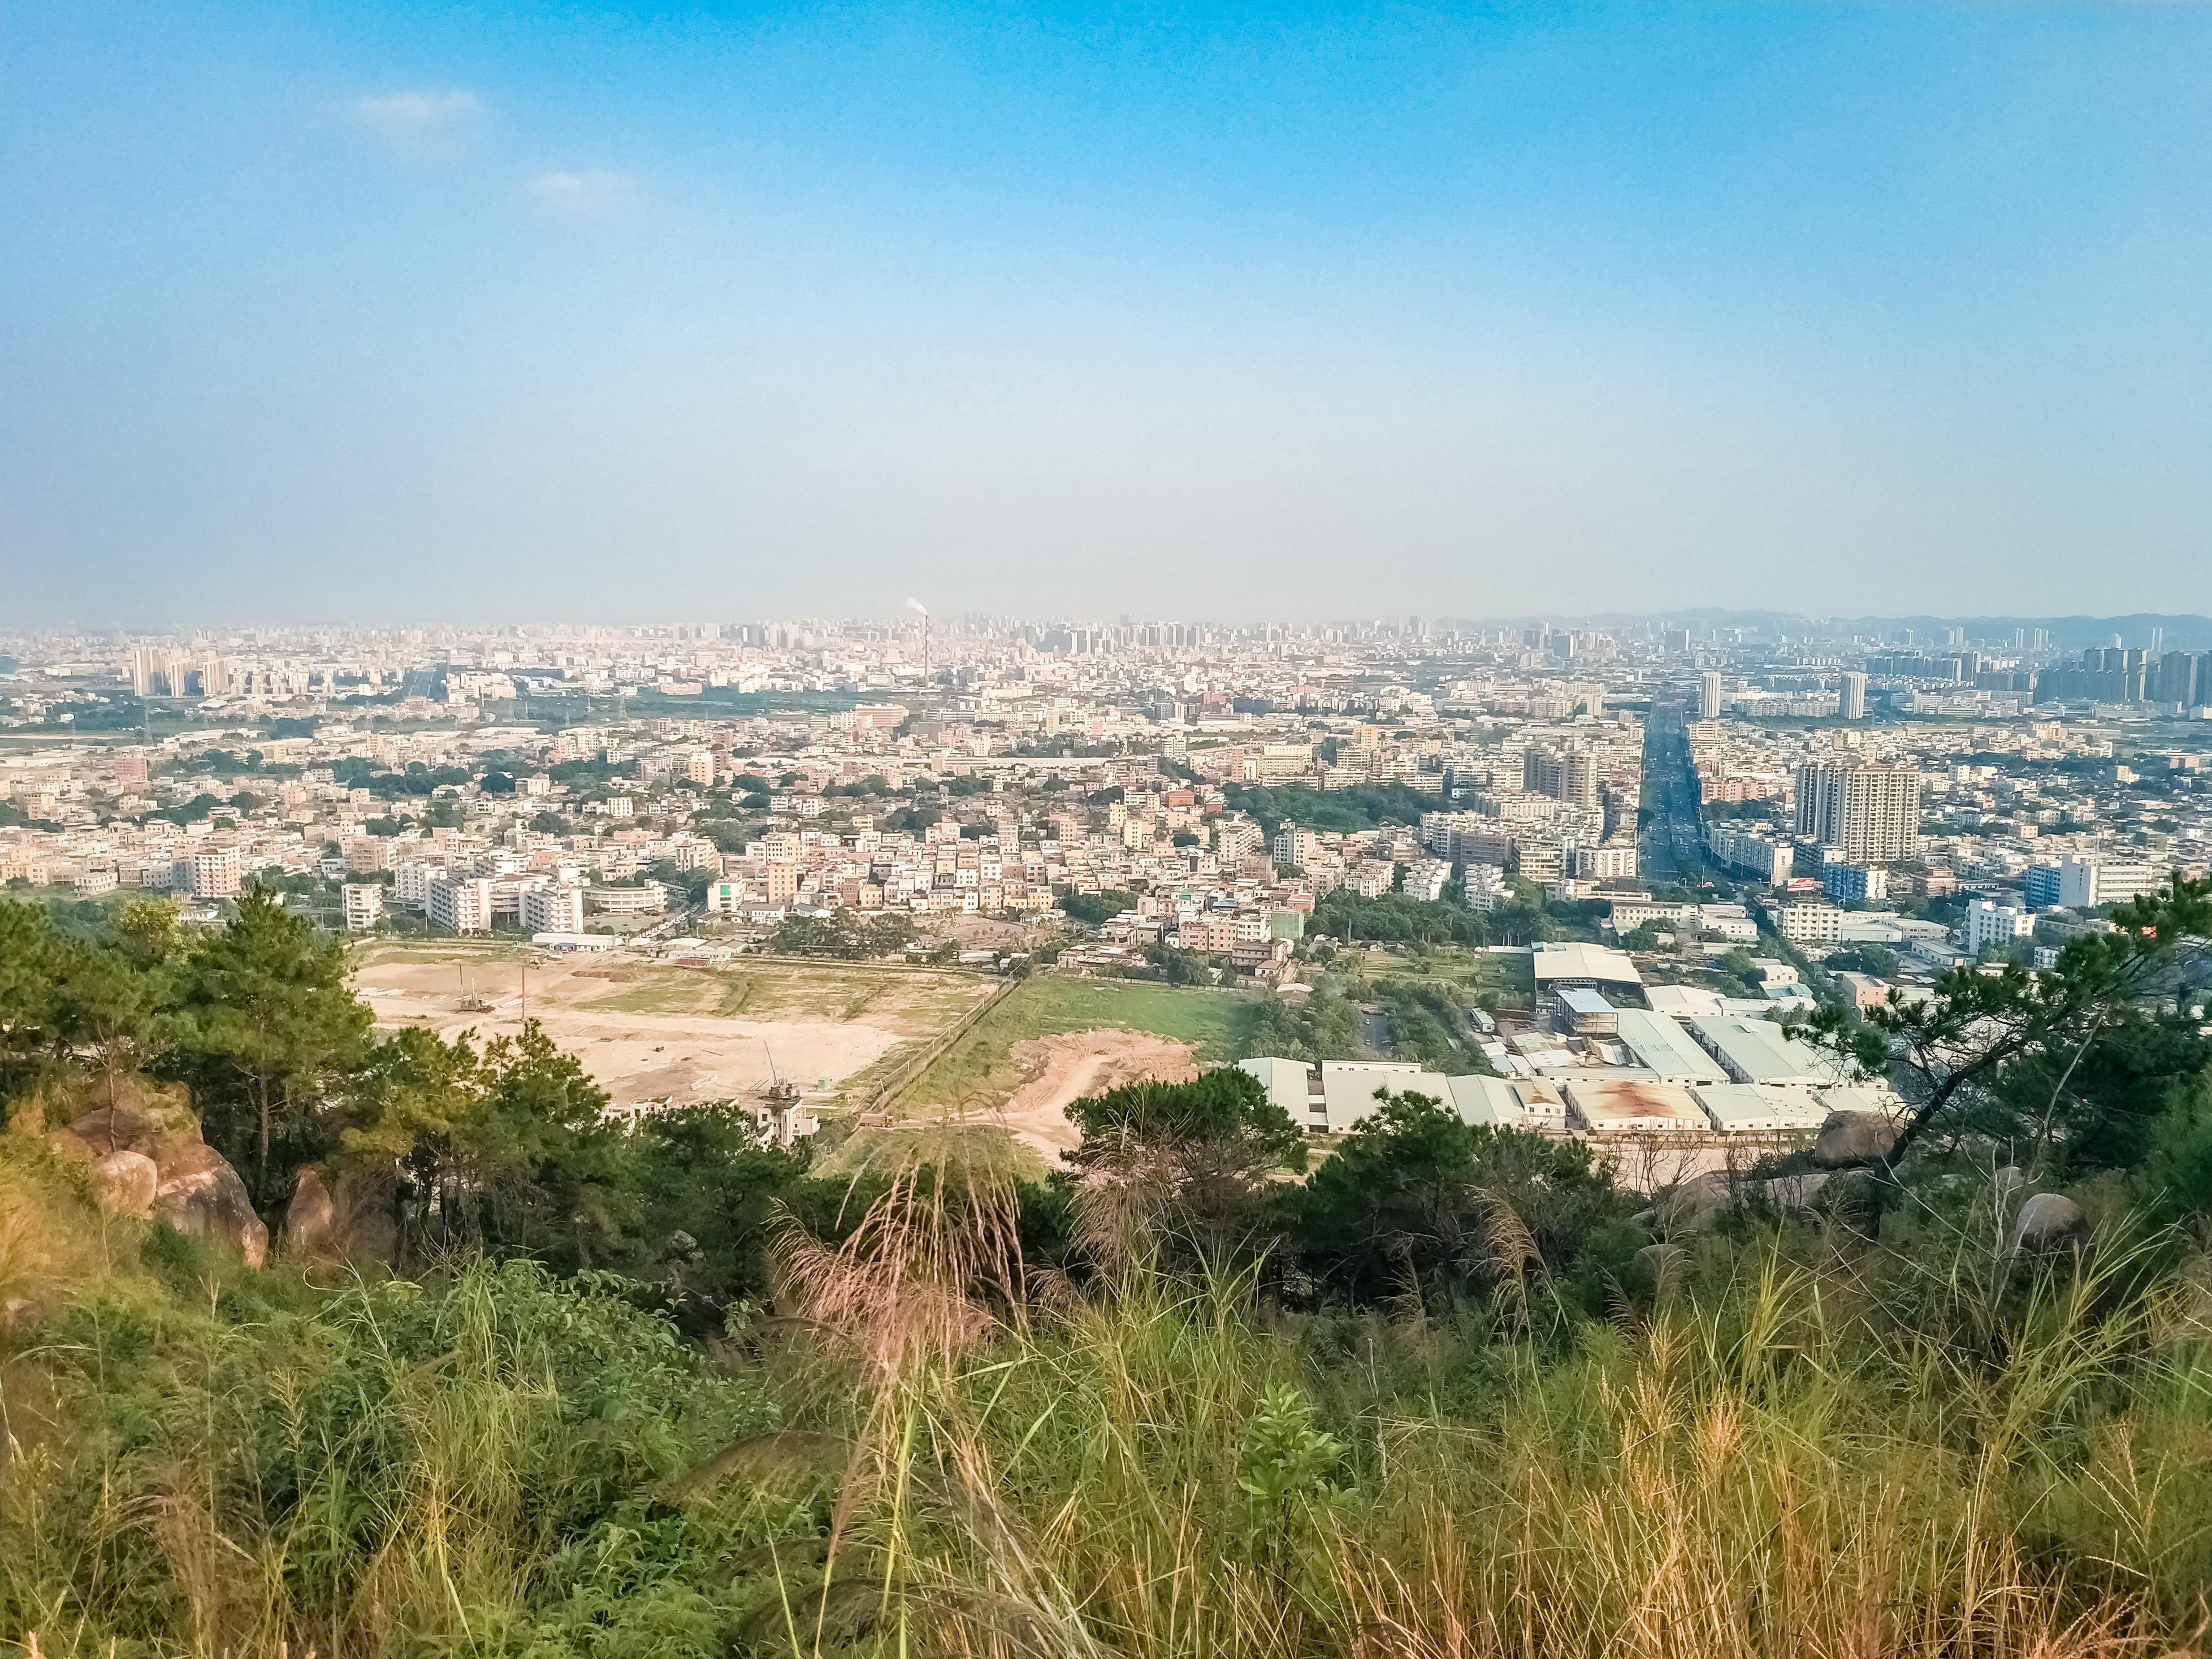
{"x": 1064, "y": 1069}
{"x": 648, "y": 1033}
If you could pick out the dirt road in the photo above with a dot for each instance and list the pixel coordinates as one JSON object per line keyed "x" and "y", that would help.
{"x": 1063, "y": 1070}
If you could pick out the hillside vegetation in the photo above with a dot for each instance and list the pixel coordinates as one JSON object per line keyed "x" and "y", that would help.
{"x": 1450, "y": 1392}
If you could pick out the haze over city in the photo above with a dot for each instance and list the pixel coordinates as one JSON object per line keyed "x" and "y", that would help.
{"x": 406, "y": 314}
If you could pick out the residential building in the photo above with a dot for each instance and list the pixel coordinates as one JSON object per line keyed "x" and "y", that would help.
{"x": 1614, "y": 860}
{"x": 1870, "y": 812}
{"x": 1855, "y": 884}
{"x": 2086, "y": 882}
{"x": 1989, "y": 923}
{"x": 555, "y": 908}
{"x": 1749, "y": 851}
{"x": 217, "y": 872}
{"x": 1851, "y": 698}
{"x": 1709, "y": 692}
{"x": 1294, "y": 847}
{"x": 1569, "y": 776}
{"x": 1804, "y": 922}
{"x": 461, "y": 905}
{"x": 2039, "y": 887}
{"x": 364, "y": 905}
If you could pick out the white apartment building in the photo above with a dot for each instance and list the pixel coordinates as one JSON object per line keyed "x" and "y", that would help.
{"x": 1613, "y": 861}
{"x": 2086, "y": 882}
{"x": 410, "y": 883}
{"x": 459, "y": 903}
{"x": 1989, "y": 923}
{"x": 1371, "y": 878}
{"x": 1425, "y": 879}
{"x": 217, "y": 872}
{"x": 555, "y": 908}
{"x": 364, "y": 905}
{"x": 1744, "y": 849}
{"x": 1233, "y": 839}
{"x": 1808, "y": 923}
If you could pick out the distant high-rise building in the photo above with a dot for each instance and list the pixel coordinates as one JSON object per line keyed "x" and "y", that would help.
{"x": 1851, "y": 699}
{"x": 1675, "y": 641}
{"x": 1569, "y": 776}
{"x": 1709, "y": 694}
{"x": 2178, "y": 678}
{"x": 1870, "y": 813}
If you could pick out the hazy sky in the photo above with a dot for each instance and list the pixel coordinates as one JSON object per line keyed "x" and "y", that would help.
{"x": 331, "y": 311}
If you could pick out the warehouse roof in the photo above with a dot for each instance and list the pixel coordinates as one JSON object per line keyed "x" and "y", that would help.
{"x": 1348, "y": 1087}
{"x": 1735, "y": 1108}
{"x": 1662, "y": 1048}
{"x": 1592, "y": 964}
{"x": 1759, "y": 1051}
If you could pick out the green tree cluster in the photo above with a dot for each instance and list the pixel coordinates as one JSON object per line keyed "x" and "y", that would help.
{"x": 850, "y": 935}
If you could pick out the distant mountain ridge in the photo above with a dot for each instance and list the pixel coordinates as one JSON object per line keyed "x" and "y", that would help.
{"x": 2186, "y": 632}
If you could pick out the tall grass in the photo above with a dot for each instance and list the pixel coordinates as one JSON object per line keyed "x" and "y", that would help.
{"x": 1771, "y": 1462}
{"x": 1800, "y": 1447}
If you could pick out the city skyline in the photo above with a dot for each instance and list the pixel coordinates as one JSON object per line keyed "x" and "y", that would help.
{"x": 394, "y": 313}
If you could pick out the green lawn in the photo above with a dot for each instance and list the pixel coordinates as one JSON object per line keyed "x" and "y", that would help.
{"x": 1214, "y": 1024}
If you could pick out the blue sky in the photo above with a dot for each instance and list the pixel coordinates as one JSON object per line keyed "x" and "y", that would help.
{"x": 392, "y": 312}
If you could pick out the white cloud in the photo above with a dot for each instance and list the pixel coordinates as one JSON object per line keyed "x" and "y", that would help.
{"x": 415, "y": 115}
{"x": 595, "y": 190}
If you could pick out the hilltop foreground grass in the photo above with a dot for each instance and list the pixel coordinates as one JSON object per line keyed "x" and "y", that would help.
{"x": 1789, "y": 1450}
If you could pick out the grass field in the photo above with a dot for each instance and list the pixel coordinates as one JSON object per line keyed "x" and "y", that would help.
{"x": 980, "y": 1063}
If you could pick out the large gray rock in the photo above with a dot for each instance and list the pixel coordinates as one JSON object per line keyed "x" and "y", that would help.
{"x": 1690, "y": 1205}
{"x": 1795, "y": 1191}
{"x": 1693, "y": 1205}
{"x": 136, "y": 1127}
{"x": 348, "y": 1218}
{"x": 2049, "y": 1221}
{"x": 1848, "y": 1139}
{"x": 201, "y": 1195}
{"x": 311, "y": 1222}
{"x": 125, "y": 1183}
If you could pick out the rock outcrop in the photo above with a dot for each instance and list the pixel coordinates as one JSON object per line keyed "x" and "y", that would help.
{"x": 1848, "y": 1139}
{"x": 125, "y": 1183}
{"x": 348, "y": 1218}
{"x": 310, "y": 1219}
{"x": 144, "y": 1143}
{"x": 2049, "y": 1221}
{"x": 1693, "y": 1205}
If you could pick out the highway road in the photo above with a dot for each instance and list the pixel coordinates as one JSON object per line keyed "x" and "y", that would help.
{"x": 1675, "y": 832}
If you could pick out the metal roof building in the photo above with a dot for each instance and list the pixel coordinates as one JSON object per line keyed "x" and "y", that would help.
{"x": 1554, "y": 965}
{"x": 1348, "y": 1086}
{"x": 1759, "y": 1051}
{"x": 1738, "y": 1108}
{"x": 1663, "y": 1048}
{"x": 1603, "y": 1107}
{"x": 1508, "y": 1103}
{"x": 1289, "y": 1084}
